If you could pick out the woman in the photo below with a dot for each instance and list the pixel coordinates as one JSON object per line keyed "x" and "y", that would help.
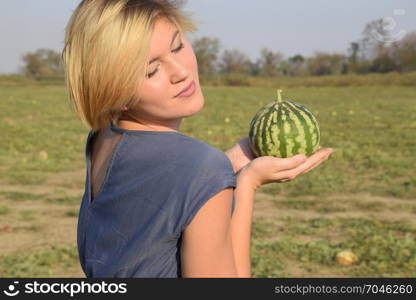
{"x": 157, "y": 203}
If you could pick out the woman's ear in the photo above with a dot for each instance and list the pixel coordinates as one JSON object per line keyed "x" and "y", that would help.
{"x": 124, "y": 108}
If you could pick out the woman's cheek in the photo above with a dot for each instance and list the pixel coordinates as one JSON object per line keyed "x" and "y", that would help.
{"x": 192, "y": 62}
{"x": 155, "y": 89}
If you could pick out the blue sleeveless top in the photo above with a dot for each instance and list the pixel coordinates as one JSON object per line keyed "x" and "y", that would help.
{"x": 154, "y": 185}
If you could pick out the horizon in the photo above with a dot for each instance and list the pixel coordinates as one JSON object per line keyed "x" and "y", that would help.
{"x": 299, "y": 27}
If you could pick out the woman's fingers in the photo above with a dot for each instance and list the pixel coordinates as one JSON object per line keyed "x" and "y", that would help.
{"x": 312, "y": 162}
{"x": 315, "y": 164}
{"x": 315, "y": 160}
{"x": 289, "y": 163}
{"x": 268, "y": 169}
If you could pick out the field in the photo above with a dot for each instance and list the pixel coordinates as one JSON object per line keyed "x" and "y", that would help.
{"x": 362, "y": 199}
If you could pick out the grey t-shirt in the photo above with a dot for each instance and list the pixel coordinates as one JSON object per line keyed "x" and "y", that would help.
{"x": 155, "y": 184}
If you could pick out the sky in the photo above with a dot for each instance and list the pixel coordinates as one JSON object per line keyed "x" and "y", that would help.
{"x": 290, "y": 27}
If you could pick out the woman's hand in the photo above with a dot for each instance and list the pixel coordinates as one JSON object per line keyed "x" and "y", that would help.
{"x": 268, "y": 169}
{"x": 240, "y": 155}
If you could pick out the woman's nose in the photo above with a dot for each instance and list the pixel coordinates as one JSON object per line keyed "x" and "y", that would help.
{"x": 179, "y": 72}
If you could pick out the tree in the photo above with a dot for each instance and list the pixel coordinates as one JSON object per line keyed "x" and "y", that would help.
{"x": 234, "y": 61}
{"x": 353, "y": 52}
{"x": 206, "y": 50}
{"x": 254, "y": 68}
{"x": 405, "y": 51}
{"x": 42, "y": 63}
{"x": 375, "y": 38}
{"x": 384, "y": 62}
{"x": 373, "y": 53}
{"x": 325, "y": 64}
{"x": 296, "y": 65}
{"x": 270, "y": 62}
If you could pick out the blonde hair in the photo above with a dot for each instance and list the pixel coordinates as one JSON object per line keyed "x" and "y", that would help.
{"x": 106, "y": 54}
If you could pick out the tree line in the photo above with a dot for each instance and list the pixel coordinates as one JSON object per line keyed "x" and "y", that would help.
{"x": 377, "y": 51}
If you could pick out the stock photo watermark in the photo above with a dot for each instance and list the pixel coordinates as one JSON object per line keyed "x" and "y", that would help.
{"x": 70, "y": 289}
{"x": 387, "y": 33}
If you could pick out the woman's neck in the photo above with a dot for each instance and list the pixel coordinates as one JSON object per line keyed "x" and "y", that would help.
{"x": 134, "y": 125}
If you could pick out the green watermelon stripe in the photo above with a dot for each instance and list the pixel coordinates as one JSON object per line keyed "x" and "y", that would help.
{"x": 263, "y": 143}
{"x": 268, "y": 142}
{"x": 273, "y": 135}
{"x": 309, "y": 122}
{"x": 253, "y": 131}
{"x": 281, "y": 135}
{"x": 256, "y": 128}
{"x": 284, "y": 129}
{"x": 300, "y": 137}
{"x": 278, "y": 131}
{"x": 295, "y": 132}
{"x": 268, "y": 138}
{"x": 310, "y": 125}
{"x": 316, "y": 133}
{"x": 288, "y": 132}
{"x": 306, "y": 126}
{"x": 261, "y": 129}
{"x": 254, "y": 121}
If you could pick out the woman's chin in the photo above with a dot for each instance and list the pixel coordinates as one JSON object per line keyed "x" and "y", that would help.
{"x": 195, "y": 105}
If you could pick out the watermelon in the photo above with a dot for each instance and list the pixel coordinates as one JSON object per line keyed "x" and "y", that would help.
{"x": 283, "y": 129}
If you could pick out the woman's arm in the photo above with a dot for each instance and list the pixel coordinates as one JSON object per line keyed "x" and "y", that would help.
{"x": 216, "y": 245}
{"x": 240, "y": 154}
{"x": 241, "y": 223}
{"x": 207, "y": 249}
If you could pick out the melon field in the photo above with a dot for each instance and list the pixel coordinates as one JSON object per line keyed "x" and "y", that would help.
{"x": 362, "y": 199}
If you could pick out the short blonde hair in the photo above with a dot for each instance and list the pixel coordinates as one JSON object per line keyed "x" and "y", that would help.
{"x": 106, "y": 54}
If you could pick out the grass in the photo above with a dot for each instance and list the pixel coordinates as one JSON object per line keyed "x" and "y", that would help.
{"x": 368, "y": 157}
{"x": 45, "y": 122}
{"x": 18, "y": 196}
{"x": 4, "y": 210}
{"x": 384, "y": 249}
{"x": 362, "y": 199}
{"x": 375, "y": 79}
{"x": 27, "y": 215}
{"x": 43, "y": 263}
{"x": 65, "y": 199}
{"x": 372, "y": 79}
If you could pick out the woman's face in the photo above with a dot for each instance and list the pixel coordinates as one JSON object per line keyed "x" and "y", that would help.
{"x": 172, "y": 69}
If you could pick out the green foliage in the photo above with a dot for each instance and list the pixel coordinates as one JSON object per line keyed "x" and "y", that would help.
{"x": 235, "y": 79}
{"x": 373, "y": 52}
{"x": 374, "y": 79}
{"x": 65, "y": 199}
{"x": 384, "y": 249}
{"x": 373, "y": 147}
{"x": 27, "y": 215}
{"x": 234, "y": 61}
{"x": 21, "y": 196}
{"x": 4, "y": 210}
{"x": 19, "y": 80}
{"x": 369, "y": 120}
{"x": 39, "y": 134}
{"x": 206, "y": 51}
{"x": 72, "y": 213}
{"x": 39, "y": 263}
{"x": 42, "y": 63}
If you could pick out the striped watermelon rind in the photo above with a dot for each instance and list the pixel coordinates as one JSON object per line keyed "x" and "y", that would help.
{"x": 284, "y": 129}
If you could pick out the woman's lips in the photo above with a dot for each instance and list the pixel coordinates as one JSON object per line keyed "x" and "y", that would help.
{"x": 189, "y": 91}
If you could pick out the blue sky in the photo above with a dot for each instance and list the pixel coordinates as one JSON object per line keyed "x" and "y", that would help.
{"x": 291, "y": 27}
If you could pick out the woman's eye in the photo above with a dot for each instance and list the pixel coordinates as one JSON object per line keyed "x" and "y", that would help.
{"x": 179, "y": 48}
{"x": 152, "y": 73}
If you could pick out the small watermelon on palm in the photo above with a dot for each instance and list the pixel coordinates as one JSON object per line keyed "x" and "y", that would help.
{"x": 283, "y": 129}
